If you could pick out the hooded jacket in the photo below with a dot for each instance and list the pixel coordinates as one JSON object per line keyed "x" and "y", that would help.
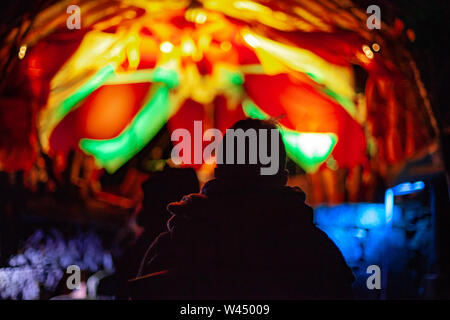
{"x": 246, "y": 241}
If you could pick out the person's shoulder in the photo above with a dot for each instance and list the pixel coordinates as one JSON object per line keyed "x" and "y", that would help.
{"x": 328, "y": 249}
{"x": 295, "y": 192}
{"x": 324, "y": 239}
{"x": 291, "y": 201}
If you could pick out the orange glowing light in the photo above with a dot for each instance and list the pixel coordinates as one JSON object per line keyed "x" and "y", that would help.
{"x": 22, "y": 51}
{"x": 110, "y": 111}
{"x": 376, "y": 47}
{"x": 367, "y": 51}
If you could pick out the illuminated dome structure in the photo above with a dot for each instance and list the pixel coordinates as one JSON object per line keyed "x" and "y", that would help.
{"x": 350, "y": 101}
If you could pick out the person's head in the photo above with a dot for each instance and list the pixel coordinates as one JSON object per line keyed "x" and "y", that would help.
{"x": 162, "y": 188}
{"x": 252, "y": 151}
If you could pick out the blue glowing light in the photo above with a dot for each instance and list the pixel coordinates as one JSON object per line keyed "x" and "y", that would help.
{"x": 389, "y": 204}
{"x": 407, "y": 188}
{"x": 350, "y": 215}
{"x": 360, "y": 233}
{"x": 368, "y": 225}
{"x": 399, "y": 190}
{"x": 371, "y": 217}
{"x": 352, "y": 224}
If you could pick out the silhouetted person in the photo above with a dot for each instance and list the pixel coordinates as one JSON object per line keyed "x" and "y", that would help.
{"x": 160, "y": 189}
{"x": 245, "y": 236}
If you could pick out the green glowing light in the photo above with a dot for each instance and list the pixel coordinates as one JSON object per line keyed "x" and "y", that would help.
{"x": 113, "y": 153}
{"x": 251, "y": 110}
{"x": 90, "y": 86}
{"x": 308, "y": 149}
{"x": 169, "y": 77}
{"x": 236, "y": 78}
{"x": 58, "y": 113}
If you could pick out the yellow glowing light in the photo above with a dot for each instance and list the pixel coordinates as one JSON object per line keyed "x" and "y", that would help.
{"x": 188, "y": 47}
{"x": 116, "y": 20}
{"x": 251, "y": 40}
{"x": 196, "y": 15}
{"x": 251, "y": 6}
{"x": 133, "y": 58}
{"x": 376, "y": 47}
{"x": 279, "y": 58}
{"x": 130, "y": 14}
{"x": 204, "y": 42}
{"x": 280, "y": 16}
{"x": 166, "y": 47}
{"x": 225, "y": 46}
{"x": 133, "y": 52}
{"x": 200, "y": 18}
{"x": 22, "y": 51}
{"x": 367, "y": 51}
